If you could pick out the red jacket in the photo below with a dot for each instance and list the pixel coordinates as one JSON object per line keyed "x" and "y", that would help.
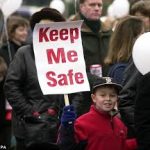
{"x": 102, "y": 131}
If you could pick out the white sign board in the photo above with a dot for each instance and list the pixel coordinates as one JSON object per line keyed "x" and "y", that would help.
{"x": 59, "y": 58}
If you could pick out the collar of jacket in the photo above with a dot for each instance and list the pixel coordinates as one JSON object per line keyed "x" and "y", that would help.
{"x": 104, "y": 29}
{"x": 111, "y": 114}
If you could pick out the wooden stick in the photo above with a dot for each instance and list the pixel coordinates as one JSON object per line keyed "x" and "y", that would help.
{"x": 66, "y": 100}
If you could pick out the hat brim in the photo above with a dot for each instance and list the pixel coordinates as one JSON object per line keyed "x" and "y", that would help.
{"x": 117, "y": 86}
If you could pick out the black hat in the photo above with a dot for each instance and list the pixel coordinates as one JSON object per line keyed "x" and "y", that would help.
{"x": 103, "y": 81}
{"x": 46, "y": 13}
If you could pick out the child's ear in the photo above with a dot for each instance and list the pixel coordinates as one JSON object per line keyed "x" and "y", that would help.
{"x": 93, "y": 98}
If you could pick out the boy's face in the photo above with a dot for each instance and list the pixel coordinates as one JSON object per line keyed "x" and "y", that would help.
{"x": 105, "y": 98}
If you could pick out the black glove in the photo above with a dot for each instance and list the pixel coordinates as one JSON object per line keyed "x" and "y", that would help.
{"x": 68, "y": 115}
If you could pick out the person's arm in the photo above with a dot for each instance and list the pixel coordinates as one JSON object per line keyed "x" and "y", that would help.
{"x": 66, "y": 140}
{"x": 14, "y": 85}
{"x": 127, "y": 97}
{"x": 66, "y": 134}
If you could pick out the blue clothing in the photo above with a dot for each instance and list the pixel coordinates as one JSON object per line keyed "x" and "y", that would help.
{"x": 116, "y": 71}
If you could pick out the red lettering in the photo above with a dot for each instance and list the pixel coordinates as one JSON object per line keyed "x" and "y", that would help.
{"x": 72, "y": 56}
{"x": 64, "y": 34}
{"x": 79, "y": 78}
{"x": 60, "y": 56}
{"x": 42, "y": 34}
{"x": 53, "y": 80}
{"x": 70, "y": 75}
{"x": 64, "y": 79}
{"x": 74, "y": 34}
{"x": 54, "y": 35}
{"x": 56, "y": 58}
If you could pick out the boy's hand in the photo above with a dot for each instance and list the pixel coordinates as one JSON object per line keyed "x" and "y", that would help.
{"x": 68, "y": 115}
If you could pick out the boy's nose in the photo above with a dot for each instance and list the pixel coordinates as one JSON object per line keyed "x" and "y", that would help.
{"x": 108, "y": 98}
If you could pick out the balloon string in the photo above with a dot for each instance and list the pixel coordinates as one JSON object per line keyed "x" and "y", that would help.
{"x": 2, "y": 34}
{"x": 7, "y": 39}
{"x": 75, "y": 6}
{"x": 149, "y": 24}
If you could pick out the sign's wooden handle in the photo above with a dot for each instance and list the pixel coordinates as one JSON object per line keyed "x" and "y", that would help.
{"x": 66, "y": 100}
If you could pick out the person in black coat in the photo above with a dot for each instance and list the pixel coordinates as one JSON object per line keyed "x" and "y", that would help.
{"x": 95, "y": 39}
{"x": 131, "y": 74}
{"x": 35, "y": 116}
{"x": 17, "y": 29}
{"x": 3, "y": 70}
{"x": 127, "y": 96}
{"x": 95, "y": 33}
{"x": 142, "y": 112}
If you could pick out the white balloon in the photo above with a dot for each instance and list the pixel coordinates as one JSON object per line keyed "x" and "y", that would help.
{"x": 141, "y": 53}
{"x": 10, "y": 6}
{"x": 110, "y": 11}
{"x": 59, "y": 5}
{"x": 119, "y": 8}
{"x": 1, "y": 3}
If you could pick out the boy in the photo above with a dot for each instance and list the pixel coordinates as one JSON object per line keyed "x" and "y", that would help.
{"x": 99, "y": 129}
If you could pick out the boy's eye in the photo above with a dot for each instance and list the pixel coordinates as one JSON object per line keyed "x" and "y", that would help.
{"x": 113, "y": 95}
{"x": 102, "y": 94}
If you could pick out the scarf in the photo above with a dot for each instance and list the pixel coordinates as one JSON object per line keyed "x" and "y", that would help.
{"x": 94, "y": 25}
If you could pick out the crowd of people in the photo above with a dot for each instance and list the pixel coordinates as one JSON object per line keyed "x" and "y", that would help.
{"x": 114, "y": 114}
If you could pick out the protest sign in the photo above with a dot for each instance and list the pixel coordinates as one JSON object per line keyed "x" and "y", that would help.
{"x": 59, "y": 58}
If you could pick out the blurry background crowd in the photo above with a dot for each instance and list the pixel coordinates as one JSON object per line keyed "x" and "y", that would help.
{"x": 113, "y": 10}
